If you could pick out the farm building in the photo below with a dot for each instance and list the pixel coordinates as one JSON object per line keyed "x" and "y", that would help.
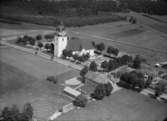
{"x": 71, "y": 92}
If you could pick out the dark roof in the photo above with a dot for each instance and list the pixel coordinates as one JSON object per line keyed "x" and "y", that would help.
{"x": 76, "y": 43}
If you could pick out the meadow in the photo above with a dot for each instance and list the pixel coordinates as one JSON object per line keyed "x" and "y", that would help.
{"x": 23, "y": 79}
{"x": 130, "y": 38}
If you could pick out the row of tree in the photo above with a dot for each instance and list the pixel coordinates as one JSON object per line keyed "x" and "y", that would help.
{"x": 31, "y": 40}
{"x": 101, "y": 47}
{"x": 87, "y": 7}
{"x": 14, "y": 114}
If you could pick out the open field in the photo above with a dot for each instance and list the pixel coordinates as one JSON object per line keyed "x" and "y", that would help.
{"x": 31, "y": 64}
{"x": 18, "y": 87}
{"x": 123, "y": 105}
{"x": 134, "y": 39}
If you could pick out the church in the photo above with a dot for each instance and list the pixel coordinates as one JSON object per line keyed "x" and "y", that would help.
{"x": 62, "y": 41}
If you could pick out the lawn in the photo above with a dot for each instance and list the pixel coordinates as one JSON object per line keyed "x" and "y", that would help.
{"x": 123, "y": 105}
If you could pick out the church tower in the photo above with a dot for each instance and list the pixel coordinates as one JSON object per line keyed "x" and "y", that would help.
{"x": 60, "y": 41}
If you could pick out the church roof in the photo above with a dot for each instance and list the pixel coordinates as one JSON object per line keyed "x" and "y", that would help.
{"x": 76, "y": 43}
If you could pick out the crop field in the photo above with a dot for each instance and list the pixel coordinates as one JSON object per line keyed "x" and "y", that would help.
{"x": 134, "y": 39}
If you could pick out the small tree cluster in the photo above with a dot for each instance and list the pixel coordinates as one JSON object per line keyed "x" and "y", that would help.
{"x": 52, "y": 79}
{"x": 26, "y": 40}
{"x": 113, "y": 64}
{"x": 13, "y": 113}
{"x": 132, "y": 80}
{"x": 80, "y": 101}
{"x": 101, "y": 91}
{"x": 100, "y": 47}
{"x": 112, "y": 50}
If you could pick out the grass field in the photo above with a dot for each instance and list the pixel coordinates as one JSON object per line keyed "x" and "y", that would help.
{"x": 18, "y": 87}
{"x": 123, "y": 105}
{"x": 134, "y": 39}
{"x": 31, "y": 64}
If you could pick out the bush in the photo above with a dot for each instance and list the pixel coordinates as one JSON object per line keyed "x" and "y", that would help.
{"x": 52, "y": 79}
{"x": 80, "y": 101}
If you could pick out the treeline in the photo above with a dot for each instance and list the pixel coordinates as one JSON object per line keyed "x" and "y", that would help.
{"x": 88, "y": 7}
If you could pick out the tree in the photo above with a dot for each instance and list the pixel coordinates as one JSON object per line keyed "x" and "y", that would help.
{"x": 52, "y": 48}
{"x": 93, "y": 44}
{"x": 40, "y": 45}
{"x": 137, "y": 62}
{"x": 6, "y": 114}
{"x": 108, "y": 88}
{"x": 100, "y": 46}
{"x": 99, "y": 92}
{"x": 28, "y": 111}
{"x": 112, "y": 50}
{"x": 38, "y": 37}
{"x": 80, "y": 101}
{"x": 14, "y": 113}
{"x": 105, "y": 65}
{"x": 65, "y": 53}
{"x": 159, "y": 89}
{"x": 80, "y": 48}
{"x": 93, "y": 66}
{"x": 47, "y": 46}
{"x": 83, "y": 72}
{"x": 52, "y": 79}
